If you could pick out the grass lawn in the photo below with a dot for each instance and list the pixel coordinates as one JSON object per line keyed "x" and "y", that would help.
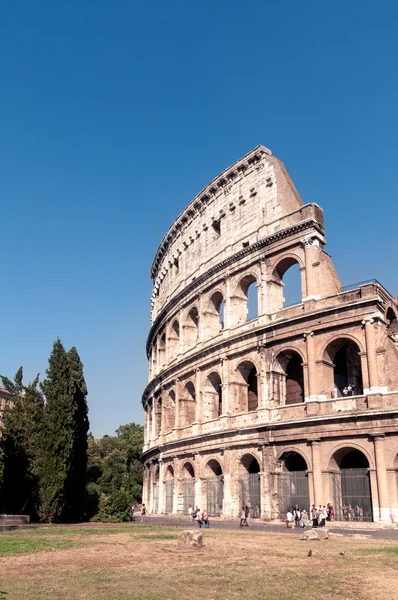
{"x": 143, "y": 563}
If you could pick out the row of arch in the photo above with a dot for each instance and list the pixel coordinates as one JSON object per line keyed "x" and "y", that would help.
{"x": 350, "y": 489}
{"x": 286, "y": 386}
{"x": 205, "y": 321}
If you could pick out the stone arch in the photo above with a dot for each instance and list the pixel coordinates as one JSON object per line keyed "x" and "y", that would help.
{"x": 213, "y": 396}
{"x": 188, "y": 486}
{"x": 213, "y": 473}
{"x": 214, "y": 314}
{"x": 287, "y": 377}
{"x": 161, "y": 348}
{"x": 174, "y": 339}
{"x": 248, "y": 464}
{"x": 213, "y": 468}
{"x": 169, "y": 406}
{"x": 247, "y": 400}
{"x": 169, "y": 474}
{"x": 350, "y": 467}
{"x": 188, "y": 470}
{"x": 187, "y": 404}
{"x": 244, "y": 301}
{"x": 293, "y": 485}
{"x": 191, "y": 327}
{"x": 276, "y": 285}
{"x": 392, "y": 324}
{"x": 342, "y": 369}
{"x": 293, "y": 459}
{"x": 340, "y": 450}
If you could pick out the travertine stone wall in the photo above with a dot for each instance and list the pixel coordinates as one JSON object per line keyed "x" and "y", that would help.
{"x": 240, "y": 410}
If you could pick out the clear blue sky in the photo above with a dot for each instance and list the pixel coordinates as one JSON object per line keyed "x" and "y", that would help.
{"x": 113, "y": 115}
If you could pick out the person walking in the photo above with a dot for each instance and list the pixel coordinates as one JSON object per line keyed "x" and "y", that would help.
{"x": 289, "y": 519}
{"x": 205, "y": 519}
{"x": 314, "y": 516}
{"x": 304, "y": 518}
{"x": 242, "y": 517}
{"x": 247, "y": 515}
{"x": 143, "y": 513}
{"x": 297, "y": 516}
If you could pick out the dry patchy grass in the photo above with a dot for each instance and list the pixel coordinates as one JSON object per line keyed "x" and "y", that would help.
{"x": 144, "y": 563}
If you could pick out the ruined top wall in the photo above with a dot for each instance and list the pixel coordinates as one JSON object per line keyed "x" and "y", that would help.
{"x": 250, "y": 200}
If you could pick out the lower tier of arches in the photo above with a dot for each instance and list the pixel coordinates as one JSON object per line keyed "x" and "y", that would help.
{"x": 357, "y": 476}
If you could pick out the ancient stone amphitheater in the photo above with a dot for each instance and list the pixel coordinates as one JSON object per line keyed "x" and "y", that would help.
{"x": 264, "y": 404}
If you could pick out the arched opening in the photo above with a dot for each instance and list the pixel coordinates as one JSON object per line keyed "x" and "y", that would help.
{"x": 188, "y": 405}
{"x": 392, "y": 325}
{"x": 249, "y": 484}
{"x": 170, "y": 411}
{"x": 351, "y": 485}
{"x": 161, "y": 350}
{"x": 191, "y": 329}
{"x": 248, "y": 390}
{"x": 174, "y": 340}
{"x": 188, "y": 474}
{"x": 212, "y": 401}
{"x": 244, "y": 302}
{"x": 286, "y": 285}
{"x": 158, "y": 416}
{"x": 215, "y": 315}
{"x": 214, "y": 488}
{"x": 169, "y": 489}
{"x": 293, "y": 489}
{"x": 288, "y": 378}
{"x": 343, "y": 372}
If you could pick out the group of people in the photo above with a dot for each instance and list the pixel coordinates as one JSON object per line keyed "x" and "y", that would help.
{"x": 244, "y": 515}
{"x": 202, "y": 518}
{"x": 349, "y": 390}
{"x": 352, "y": 513}
{"x": 317, "y": 517}
{"x": 141, "y": 508}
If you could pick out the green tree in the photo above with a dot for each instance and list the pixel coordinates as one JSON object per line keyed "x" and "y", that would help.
{"x": 120, "y": 479}
{"x": 64, "y": 459}
{"x": 21, "y": 446}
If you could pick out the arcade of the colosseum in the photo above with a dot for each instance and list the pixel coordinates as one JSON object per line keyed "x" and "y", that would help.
{"x": 292, "y": 405}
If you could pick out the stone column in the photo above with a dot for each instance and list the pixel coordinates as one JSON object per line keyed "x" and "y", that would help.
{"x": 265, "y": 484}
{"x": 148, "y": 423}
{"x": 153, "y": 420}
{"x": 263, "y": 388}
{"x": 381, "y": 475}
{"x": 227, "y": 304}
{"x": 197, "y": 424}
{"x": 262, "y": 289}
{"x": 371, "y": 355}
{"x": 317, "y": 472}
{"x": 161, "y": 487}
{"x": 181, "y": 348}
{"x": 226, "y": 408}
{"x": 226, "y": 511}
{"x": 311, "y": 250}
{"x": 310, "y": 394}
{"x": 177, "y": 401}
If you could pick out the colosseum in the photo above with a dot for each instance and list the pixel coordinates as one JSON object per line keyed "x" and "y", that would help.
{"x": 256, "y": 402}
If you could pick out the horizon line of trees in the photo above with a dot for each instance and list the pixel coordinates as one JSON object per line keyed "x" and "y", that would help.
{"x": 51, "y": 467}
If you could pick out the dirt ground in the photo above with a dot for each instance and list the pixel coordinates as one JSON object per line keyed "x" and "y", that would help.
{"x": 144, "y": 563}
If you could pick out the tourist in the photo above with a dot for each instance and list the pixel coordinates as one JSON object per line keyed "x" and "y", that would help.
{"x": 198, "y": 518}
{"x": 361, "y": 513}
{"x": 247, "y": 515}
{"x": 297, "y": 516}
{"x": 304, "y": 518}
{"x": 351, "y": 513}
{"x": 345, "y": 391}
{"x": 314, "y": 516}
{"x": 190, "y": 511}
{"x": 331, "y": 511}
{"x": 143, "y": 513}
{"x": 289, "y": 519}
{"x": 322, "y": 515}
{"x": 242, "y": 517}
{"x": 350, "y": 390}
{"x": 205, "y": 519}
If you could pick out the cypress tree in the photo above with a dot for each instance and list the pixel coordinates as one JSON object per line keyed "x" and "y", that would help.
{"x": 64, "y": 463}
{"x": 77, "y": 475}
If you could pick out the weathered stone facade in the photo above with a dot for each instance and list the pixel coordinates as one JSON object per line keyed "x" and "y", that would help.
{"x": 298, "y": 405}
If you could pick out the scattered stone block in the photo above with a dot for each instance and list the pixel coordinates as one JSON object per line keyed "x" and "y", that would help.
{"x": 189, "y": 538}
{"x": 315, "y": 534}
